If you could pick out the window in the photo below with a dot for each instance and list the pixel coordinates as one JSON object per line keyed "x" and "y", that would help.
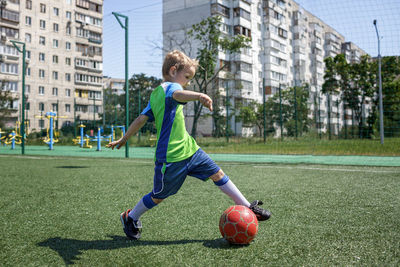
{"x": 68, "y": 30}
{"x": 27, "y": 106}
{"x": 55, "y": 11}
{"x": 55, "y": 75}
{"x": 68, "y": 45}
{"x": 28, "y": 71}
{"x": 68, "y": 15}
{"x": 54, "y": 107}
{"x": 41, "y": 92}
{"x": 68, "y": 2}
{"x": 28, "y": 37}
{"x": 42, "y": 57}
{"x": 55, "y": 27}
{"x": 55, "y": 59}
{"x": 27, "y": 88}
{"x": 55, "y": 91}
{"x": 42, "y": 40}
{"x": 41, "y": 122}
{"x": 67, "y": 92}
{"x": 28, "y": 54}
{"x": 282, "y": 33}
{"x": 242, "y": 66}
{"x": 41, "y": 73}
{"x": 55, "y": 43}
{"x": 220, "y": 9}
{"x": 9, "y": 68}
{"x": 42, "y": 24}
{"x": 68, "y": 77}
{"x": 67, "y": 108}
{"x": 28, "y": 4}
{"x": 42, "y": 8}
{"x": 241, "y": 31}
{"x": 68, "y": 61}
{"x": 28, "y": 21}
{"x": 239, "y": 12}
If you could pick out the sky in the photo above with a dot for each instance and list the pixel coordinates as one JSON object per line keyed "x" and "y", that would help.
{"x": 352, "y": 18}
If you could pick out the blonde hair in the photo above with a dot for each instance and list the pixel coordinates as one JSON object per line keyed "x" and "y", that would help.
{"x": 179, "y": 60}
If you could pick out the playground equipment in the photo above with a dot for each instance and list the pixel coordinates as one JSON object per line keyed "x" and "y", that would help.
{"x": 122, "y": 127}
{"x": 13, "y": 139}
{"x": 2, "y": 138}
{"x": 83, "y": 140}
{"x": 52, "y": 136}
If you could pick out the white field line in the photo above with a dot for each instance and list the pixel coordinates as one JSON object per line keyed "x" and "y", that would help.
{"x": 326, "y": 169}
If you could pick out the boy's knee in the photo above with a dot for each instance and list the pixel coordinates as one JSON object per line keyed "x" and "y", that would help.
{"x": 218, "y": 176}
{"x": 157, "y": 200}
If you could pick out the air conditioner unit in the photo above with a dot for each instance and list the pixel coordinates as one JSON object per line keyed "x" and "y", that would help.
{"x": 3, "y": 37}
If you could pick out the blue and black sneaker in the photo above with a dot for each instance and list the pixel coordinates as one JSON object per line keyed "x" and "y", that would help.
{"x": 132, "y": 228}
{"x": 262, "y": 214}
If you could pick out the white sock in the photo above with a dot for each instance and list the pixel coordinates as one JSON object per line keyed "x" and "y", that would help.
{"x": 229, "y": 188}
{"x": 141, "y": 207}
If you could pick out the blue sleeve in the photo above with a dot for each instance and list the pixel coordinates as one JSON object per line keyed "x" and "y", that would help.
{"x": 148, "y": 112}
{"x": 170, "y": 91}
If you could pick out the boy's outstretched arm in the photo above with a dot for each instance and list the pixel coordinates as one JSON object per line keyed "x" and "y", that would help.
{"x": 186, "y": 96}
{"x": 135, "y": 126}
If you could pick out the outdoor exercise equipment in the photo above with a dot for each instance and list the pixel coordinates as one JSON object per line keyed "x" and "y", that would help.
{"x": 52, "y": 136}
{"x": 13, "y": 139}
{"x": 81, "y": 140}
{"x": 2, "y": 138}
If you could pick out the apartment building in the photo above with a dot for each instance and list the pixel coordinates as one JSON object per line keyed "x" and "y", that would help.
{"x": 288, "y": 47}
{"x": 64, "y": 69}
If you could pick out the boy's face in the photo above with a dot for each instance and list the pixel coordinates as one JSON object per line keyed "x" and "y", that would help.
{"x": 182, "y": 77}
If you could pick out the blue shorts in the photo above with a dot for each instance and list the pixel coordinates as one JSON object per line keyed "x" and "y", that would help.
{"x": 169, "y": 177}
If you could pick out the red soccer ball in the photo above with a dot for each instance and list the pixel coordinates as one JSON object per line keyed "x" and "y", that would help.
{"x": 238, "y": 225}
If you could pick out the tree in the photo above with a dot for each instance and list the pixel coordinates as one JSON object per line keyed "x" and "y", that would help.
{"x": 210, "y": 42}
{"x": 6, "y": 100}
{"x": 138, "y": 84}
{"x": 294, "y": 120}
{"x": 362, "y": 88}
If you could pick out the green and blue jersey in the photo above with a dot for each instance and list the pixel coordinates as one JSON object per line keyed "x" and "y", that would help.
{"x": 173, "y": 141}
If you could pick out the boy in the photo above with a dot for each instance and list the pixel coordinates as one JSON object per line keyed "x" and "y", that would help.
{"x": 177, "y": 154}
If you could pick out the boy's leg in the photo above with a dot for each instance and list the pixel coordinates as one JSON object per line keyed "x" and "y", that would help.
{"x": 142, "y": 206}
{"x": 130, "y": 218}
{"x": 228, "y": 187}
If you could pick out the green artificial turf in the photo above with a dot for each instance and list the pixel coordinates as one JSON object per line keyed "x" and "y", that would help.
{"x": 58, "y": 210}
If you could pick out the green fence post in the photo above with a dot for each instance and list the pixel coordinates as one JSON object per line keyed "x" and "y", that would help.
{"x": 338, "y": 117}
{"x": 295, "y": 111}
{"x": 329, "y": 115}
{"x": 280, "y": 111}
{"x": 264, "y": 112}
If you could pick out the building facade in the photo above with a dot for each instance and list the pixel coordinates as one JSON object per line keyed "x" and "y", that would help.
{"x": 288, "y": 47}
{"x": 64, "y": 62}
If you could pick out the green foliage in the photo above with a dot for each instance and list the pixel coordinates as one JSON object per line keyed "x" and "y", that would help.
{"x": 210, "y": 41}
{"x": 140, "y": 88}
{"x": 294, "y": 110}
{"x": 6, "y": 99}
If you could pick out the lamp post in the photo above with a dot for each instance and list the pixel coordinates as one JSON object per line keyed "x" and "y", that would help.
{"x": 23, "y": 51}
{"x": 381, "y": 129}
{"x": 125, "y": 27}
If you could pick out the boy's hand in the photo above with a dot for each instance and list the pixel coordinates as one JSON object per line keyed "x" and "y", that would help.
{"x": 119, "y": 143}
{"x": 206, "y": 101}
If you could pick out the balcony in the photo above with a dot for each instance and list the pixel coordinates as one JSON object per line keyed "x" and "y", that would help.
{"x": 242, "y": 22}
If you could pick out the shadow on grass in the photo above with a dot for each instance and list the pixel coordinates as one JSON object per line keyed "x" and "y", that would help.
{"x": 71, "y": 167}
{"x": 70, "y": 249}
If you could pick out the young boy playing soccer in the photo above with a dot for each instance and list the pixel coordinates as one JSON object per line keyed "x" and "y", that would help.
{"x": 177, "y": 154}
